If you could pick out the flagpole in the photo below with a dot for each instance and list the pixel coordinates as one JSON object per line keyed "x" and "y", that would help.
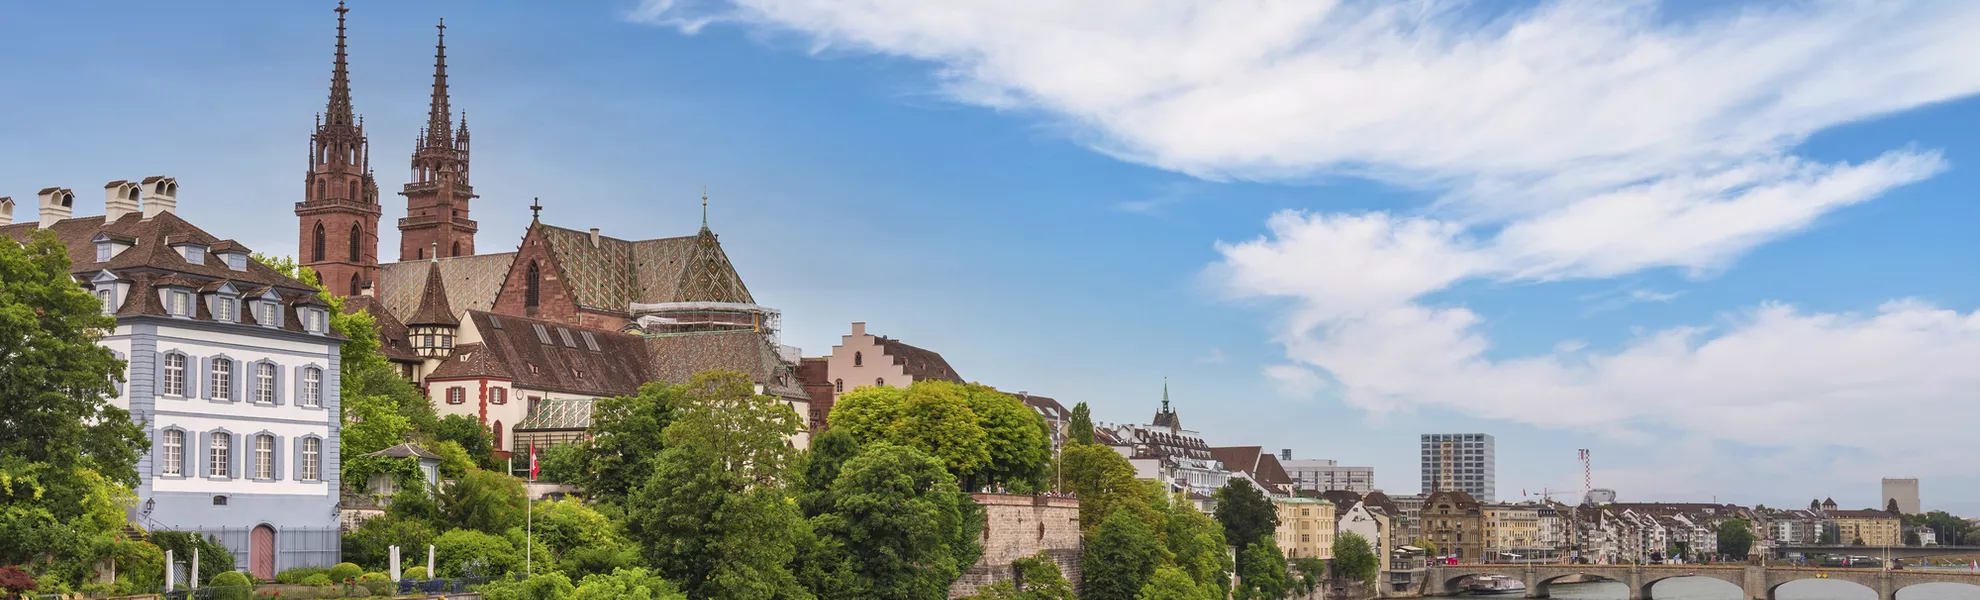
{"x": 529, "y": 523}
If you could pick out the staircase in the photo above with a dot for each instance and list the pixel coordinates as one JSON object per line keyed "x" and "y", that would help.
{"x": 133, "y": 533}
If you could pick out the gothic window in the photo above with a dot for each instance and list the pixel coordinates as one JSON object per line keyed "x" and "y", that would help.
{"x": 357, "y": 242}
{"x": 532, "y": 280}
{"x": 316, "y": 250}
{"x": 457, "y": 249}
{"x": 498, "y": 434}
{"x": 353, "y": 189}
{"x": 355, "y": 288}
{"x": 321, "y": 193}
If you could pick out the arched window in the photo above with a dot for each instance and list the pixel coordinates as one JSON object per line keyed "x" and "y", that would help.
{"x": 498, "y": 435}
{"x": 320, "y": 192}
{"x": 838, "y": 385}
{"x": 880, "y": 381}
{"x": 357, "y": 243}
{"x": 316, "y": 249}
{"x": 354, "y": 189}
{"x": 356, "y": 288}
{"x": 858, "y": 359}
{"x": 531, "y": 281}
{"x": 457, "y": 249}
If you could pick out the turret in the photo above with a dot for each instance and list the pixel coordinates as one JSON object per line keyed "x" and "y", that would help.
{"x": 433, "y": 325}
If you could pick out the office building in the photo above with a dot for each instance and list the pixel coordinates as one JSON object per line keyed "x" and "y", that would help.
{"x": 1323, "y": 475}
{"x": 1462, "y": 462}
{"x": 1904, "y": 491}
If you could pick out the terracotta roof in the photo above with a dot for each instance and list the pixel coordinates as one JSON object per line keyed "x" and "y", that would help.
{"x": 1051, "y": 409}
{"x": 1342, "y": 499}
{"x": 394, "y": 341}
{"x": 516, "y": 350}
{"x": 433, "y": 307}
{"x": 919, "y": 363}
{"x": 407, "y": 449}
{"x": 472, "y": 282}
{"x": 1381, "y": 500}
{"x": 1262, "y": 466}
{"x": 677, "y": 357}
{"x": 615, "y": 273}
{"x": 558, "y": 413}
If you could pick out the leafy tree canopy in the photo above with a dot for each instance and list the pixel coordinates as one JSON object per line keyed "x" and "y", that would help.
{"x": 1019, "y": 440}
{"x": 1101, "y": 478}
{"x": 1246, "y": 513}
{"x": 1081, "y": 425}
{"x": 1171, "y": 583}
{"x": 931, "y": 416}
{"x": 898, "y": 513}
{"x": 1262, "y": 571}
{"x": 1196, "y": 546}
{"x": 1735, "y": 537}
{"x": 1121, "y": 557}
{"x": 626, "y": 435}
{"x": 484, "y": 501}
{"x": 1355, "y": 558}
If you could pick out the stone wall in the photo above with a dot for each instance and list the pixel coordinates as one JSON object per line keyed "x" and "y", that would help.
{"x": 1021, "y": 526}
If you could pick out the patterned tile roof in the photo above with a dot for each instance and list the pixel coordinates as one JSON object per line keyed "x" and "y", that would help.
{"x": 472, "y": 282}
{"x": 433, "y": 308}
{"x": 677, "y": 357}
{"x": 559, "y": 413}
{"x": 613, "y": 274}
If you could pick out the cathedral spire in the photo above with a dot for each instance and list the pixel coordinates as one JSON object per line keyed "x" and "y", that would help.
{"x": 340, "y": 78}
{"x": 438, "y": 127}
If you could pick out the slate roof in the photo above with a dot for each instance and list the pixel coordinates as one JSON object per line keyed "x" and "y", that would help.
{"x": 1459, "y": 500}
{"x": 1381, "y": 500}
{"x": 1051, "y": 409}
{"x": 394, "y": 340}
{"x": 1342, "y": 499}
{"x": 616, "y": 273}
{"x": 677, "y": 357}
{"x": 1262, "y": 466}
{"x": 511, "y": 347}
{"x": 433, "y": 307}
{"x": 405, "y": 450}
{"x": 558, "y": 414}
{"x": 919, "y": 363}
{"x": 472, "y": 282}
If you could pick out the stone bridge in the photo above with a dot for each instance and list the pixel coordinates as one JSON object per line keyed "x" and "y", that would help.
{"x": 1757, "y": 583}
{"x": 1880, "y": 551}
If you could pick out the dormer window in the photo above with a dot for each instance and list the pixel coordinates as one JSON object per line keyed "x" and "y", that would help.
{"x": 103, "y": 251}
{"x": 108, "y": 297}
{"x": 268, "y": 313}
{"x": 178, "y": 303}
{"x": 223, "y": 309}
{"x": 108, "y": 246}
{"x": 194, "y": 253}
{"x": 236, "y": 261}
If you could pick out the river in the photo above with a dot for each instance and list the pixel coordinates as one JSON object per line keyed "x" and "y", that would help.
{"x": 1699, "y": 588}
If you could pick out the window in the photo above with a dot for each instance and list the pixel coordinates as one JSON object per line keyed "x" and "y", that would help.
{"x": 195, "y": 254}
{"x": 534, "y": 401}
{"x": 356, "y": 289}
{"x": 457, "y": 249}
{"x": 457, "y": 395}
{"x": 270, "y": 315}
{"x": 498, "y": 396}
{"x": 566, "y": 335}
{"x": 219, "y": 453}
{"x": 531, "y": 283}
{"x": 542, "y": 335}
{"x": 177, "y": 304}
{"x": 494, "y": 321}
{"x": 223, "y": 379}
{"x": 859, "y": 359}
{"x": 838, "y": 385}
{"x": 264, "y": 383}
{"x": 312, "y": 456}
{"x": 498, "y": 434}
{"x": 175, "y": 452}
{"x": 322, "y": 191}
{"x": 264, "y": 456}
{"x": 175, "y": 374}
{"x": 357, "y": 243}
{"x": 312, "y": 392}
{"x": 103, "y": 252}
{"x": 880, "y": 381}
{"x": 316, "y": 248}
{"x": 219, "y": 500}
{"x": 590, "y": 343}
{"x": 223, "y": 309}
{"x": 104, "y": 296}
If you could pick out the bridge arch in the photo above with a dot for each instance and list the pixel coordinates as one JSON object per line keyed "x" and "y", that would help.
{"x": 1863, "y": 591}
{"x": 1735, "y": 580}
{"x": 1544, "y": 587}
{"x": 1454, "y": 580}
{"x": 1966, "y": 589}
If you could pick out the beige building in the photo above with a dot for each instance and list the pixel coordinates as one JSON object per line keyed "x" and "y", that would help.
{"x": 1453, "y": 521}
{"x": 1512, "y": 531}
{"x": 1874, "y": 527}
{"x": 1372, "y": 524}
{"x": 862, "y": 359}
{"x": 1306, "y": 527}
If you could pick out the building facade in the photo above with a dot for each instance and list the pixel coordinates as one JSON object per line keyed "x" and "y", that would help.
{"x": 1321, "y": 475}
{"x": 1873, "y": 527}
{"x": 1372, "y": 523}
{"x": 862, "y": 359}
{"x": 1513, "y": 532}
{"x": 231, "y": 368}
{"x": 1462, "y": 462}
{"x": 337, "y": 220}
{"x": 1306, "y": 527}
{"x": 1904, "y": 492}
{"x": 1454, "y": 522}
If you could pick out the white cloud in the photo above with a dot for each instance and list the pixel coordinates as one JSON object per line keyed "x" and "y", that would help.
{"x": 1214, "y": 357}
{"x": 1578, "y": 139}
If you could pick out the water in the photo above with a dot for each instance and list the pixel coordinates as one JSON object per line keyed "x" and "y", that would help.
{"x": 1699, "y": 588}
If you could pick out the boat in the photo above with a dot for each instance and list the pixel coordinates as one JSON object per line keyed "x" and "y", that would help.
{"x": 1493, "y": 585}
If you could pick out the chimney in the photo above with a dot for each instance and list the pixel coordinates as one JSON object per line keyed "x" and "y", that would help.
{"x": 119, "y": 198}
{"x": 859, "y": 328}
{"x": 367, "y": 292}
{"x": 56, "y": 204}
{"x": 594, "y": 237}
{"x": 160, "y": 195}
{"x": 6, "y": 210}
{"x": 1285, "y": 454}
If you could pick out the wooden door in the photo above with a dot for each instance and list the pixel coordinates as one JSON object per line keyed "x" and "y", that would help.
{"x": 261, "y": 553}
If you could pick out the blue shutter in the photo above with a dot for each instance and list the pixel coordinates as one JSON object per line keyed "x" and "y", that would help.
{"x": 234, "y": 456}
{"x": 200, "y": 380}
{"x": 296, "y": 385}
{"x": 158, "y": 371}
{"x": 238, "y": 374}
{"x": 194, "y": 457}
{"x": 157, "y": 450}
{"x": 277, "y": 383}
{"x": 295, "y": 458}
{"x": 275, "y": 457}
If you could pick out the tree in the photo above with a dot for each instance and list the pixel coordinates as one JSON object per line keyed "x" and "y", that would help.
{"x": 931, "y": 416}
{"x": 1100, "y": 477}
{"x": 582, "y": 541}
{"x": 1814, "y": 505}
{"x": 1171, "y": 583}
{"x": 1312, "y": 574}
{"x": 1429, "y": 547}
{"x": 368, "y": 383}
{"x": 470, "y": 553}
{"x": 1081, "y": 424}
{"x": 898, "y": 513}
{"x": 828, "y": 455}
{"x": 1262, "y": 571}
{"x": 1829, "y": 536}
{"x": 1196, "y": 546}
{"x": 714, "y": 515}
{"x": 1892, "y": 507}
{"x": 627, "y": 584}
{"x": 1911, "y": 537}
{"x": 1018, "y": 441}
{"x": 1038, "y": 578}
{"x": 1355, "y": 558}
{"x": 1121, "y": 557}
{"x": 564, "y": 463}
{"x": 473, "y": 437}
{"x": 369, "y": 545}
{"x": 1246, "y": 514}
{"x": 627, "y": 432}
{"x": 1857, "y": 542}
{"x": 484, "y": 501}
{"x": 67, "y": 455}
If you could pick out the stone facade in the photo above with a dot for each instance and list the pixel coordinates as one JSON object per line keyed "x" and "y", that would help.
{"x": 1021, "y": 526}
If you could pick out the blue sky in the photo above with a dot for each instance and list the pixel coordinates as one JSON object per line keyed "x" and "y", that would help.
{"x": 1726, "y": 247}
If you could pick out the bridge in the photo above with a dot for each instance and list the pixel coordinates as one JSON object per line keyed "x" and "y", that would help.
{"x": 1757, "y": 582}
{"x": 1879, "y": 551}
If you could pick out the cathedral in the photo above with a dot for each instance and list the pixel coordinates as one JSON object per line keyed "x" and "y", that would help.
{"x": 522, "y": 340}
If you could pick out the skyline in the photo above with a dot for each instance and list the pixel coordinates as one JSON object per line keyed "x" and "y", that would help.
{"x": 1757, "y": 261}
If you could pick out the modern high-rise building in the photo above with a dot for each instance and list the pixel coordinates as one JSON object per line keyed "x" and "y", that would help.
{"x": 1460, "y": 462}
{"x": 1322, "y": 475}
{"x": 1904, "y": 491}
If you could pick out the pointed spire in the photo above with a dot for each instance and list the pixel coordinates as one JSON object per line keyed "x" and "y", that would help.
{"x": 704, "y": 208}
{"x": 433, "y": 306}
{"x": 438, "y": 131}
{"x": 1165, "y": 394}
{"x": 340, "y": 77}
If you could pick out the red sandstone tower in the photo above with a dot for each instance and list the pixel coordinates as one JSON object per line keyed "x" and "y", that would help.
{"x": 437, "y": 199}
{"x": 338, "y": 216}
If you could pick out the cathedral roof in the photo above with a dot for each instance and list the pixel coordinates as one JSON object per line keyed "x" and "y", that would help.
{"x": 549, "y": 356}
{"x": 612, "y": 274}
{"x": 677, "y": 357}
{"x": 472, "y": 282}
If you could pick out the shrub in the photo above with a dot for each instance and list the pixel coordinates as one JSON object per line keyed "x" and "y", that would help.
{"x": 140, "y": 565}
{"x": 542, "y": 585}
{"x": 380, "y": 584}
{"x": 319, "y": 579}
{"x": 231, "y": 585}
{"x": 300, "y": 575}
{"x": 15, "y": 581}
{"x": 344, "y": 572}
{"x": 357, "y": 591}
{"x": 470, "y": 553}
{"x": 416, "y": 573}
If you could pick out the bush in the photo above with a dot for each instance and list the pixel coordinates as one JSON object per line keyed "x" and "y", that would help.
{"x": 470, "y": 553}
{"x": 542, "y": 586}
{"x": 380, "y": 584}
{"x": 231, "y": 585}
{"x": 301, "y": 575}
{"x": 416, "y": 573}
{"x": 319, "y": 579}
{"x": 214, "y": 558}
{"x": 14, "y": 581}
{"x": 344, "y": 572}
{"x": 140, "y": 565}
{"x": 357, "y": 591}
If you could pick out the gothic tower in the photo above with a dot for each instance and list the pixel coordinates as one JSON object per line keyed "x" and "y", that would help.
{"x": 338, "y": 216}
{"x": 437, "y": 198}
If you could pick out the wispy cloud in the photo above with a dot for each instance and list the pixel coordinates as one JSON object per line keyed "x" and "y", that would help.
{"x": 1617, "y": 299}
{"x": 1214, "y": 357}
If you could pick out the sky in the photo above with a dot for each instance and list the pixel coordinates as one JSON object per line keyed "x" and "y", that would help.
{"x": 1727, "y": 247}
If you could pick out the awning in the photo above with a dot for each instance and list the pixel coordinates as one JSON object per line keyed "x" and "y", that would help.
{"x": 1409, "y": 548}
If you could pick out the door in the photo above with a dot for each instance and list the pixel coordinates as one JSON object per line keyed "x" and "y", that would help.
{"x": 261, "y": 553}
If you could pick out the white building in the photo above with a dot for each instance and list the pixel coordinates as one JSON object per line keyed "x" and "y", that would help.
{"x": 1321, "y": 475}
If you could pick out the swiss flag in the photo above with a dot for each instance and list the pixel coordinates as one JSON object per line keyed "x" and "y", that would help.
{"x": 532, "y": 461}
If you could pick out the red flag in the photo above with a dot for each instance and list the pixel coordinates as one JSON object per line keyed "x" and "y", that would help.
{"x": 532, "y": 461}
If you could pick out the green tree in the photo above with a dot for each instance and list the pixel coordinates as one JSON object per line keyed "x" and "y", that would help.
{"x": 1039, "y": 578}
{"x": 627, "y": 584}
{"x": 1262, "y": 571}
{"x": 714, "y": 515}
{"x": 1312, "y": 573}
{"x": 1735, "y": 537}
{"x": 828, "y": 455}
{"x": 368, "y": 383}
{"x": 473, "y": 437}
{"x": 369, "y": 545}
{"x": 414, "y": 503}
{"x": 470, "y": 553}
{"x": 67, "y": 455}
{"x": 454, "y": 460}
{"x": 1911, "y": 537}
{"x": 627, "y": 433}
{"x": 1355, "y": 558}
{"x": 1081, "y": 425}
{"x": 1196, "y": 545}
{"x": 899, "y": 514}
{"x": 1101, "y": 478}
{"x": 931, "y": 416}
{"x": 564, "y": 463}
{"x": 485, "y": 501}
{"x": 1429, "y": 547}
{"x": 540, "y": 586}
{"x": 1857, "y": 542}
{"x": 1246, "y": 514}
{"x": 582, "y": 540}
{"x": 1892, "y": 507}
{"x": 1019, "y": 439}
{"x": 1121, "y": 557}
{"x": 1171, "y": 583}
